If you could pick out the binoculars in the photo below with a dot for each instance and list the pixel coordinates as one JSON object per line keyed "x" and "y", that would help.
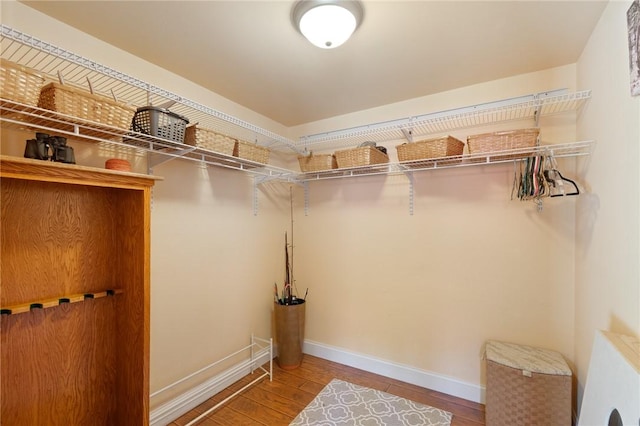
{"x": 45, "y": 147}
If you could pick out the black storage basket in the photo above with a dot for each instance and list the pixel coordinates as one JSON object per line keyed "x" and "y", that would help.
{"x": 159, "y": 122}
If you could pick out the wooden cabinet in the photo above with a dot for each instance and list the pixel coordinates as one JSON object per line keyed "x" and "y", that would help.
{"x": 75, "y": 294}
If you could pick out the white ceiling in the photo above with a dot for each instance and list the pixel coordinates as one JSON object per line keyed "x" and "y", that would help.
{"x": 249, "y": 52}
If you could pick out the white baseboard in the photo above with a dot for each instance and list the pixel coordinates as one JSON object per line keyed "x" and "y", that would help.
{"x": 397, "y": 371}
{"x": 173, "y": 409}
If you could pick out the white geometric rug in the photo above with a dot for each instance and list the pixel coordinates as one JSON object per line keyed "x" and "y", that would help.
{"x": 345, "y": 404}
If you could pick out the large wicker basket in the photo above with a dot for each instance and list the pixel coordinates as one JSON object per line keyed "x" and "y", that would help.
{"x": 430, "y": 148}
{"x": 317, "y": 162}
{"x": 210, "y": 140}
{"x": 361, "y": 156}
{"x": 19, "y": 83}
{"x": 526, "y": 386}
{"x": 79, "y": 103}
{"x": 251, "y": 151}
{"x": 500, "y": 141}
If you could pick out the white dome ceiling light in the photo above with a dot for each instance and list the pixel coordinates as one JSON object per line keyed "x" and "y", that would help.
{"x": 327, "y": 23}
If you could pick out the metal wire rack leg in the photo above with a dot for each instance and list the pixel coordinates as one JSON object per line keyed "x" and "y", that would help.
{"x": 258, "y": 348}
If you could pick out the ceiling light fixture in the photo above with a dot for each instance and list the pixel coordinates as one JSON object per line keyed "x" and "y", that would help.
{"x": 327, "y": 23}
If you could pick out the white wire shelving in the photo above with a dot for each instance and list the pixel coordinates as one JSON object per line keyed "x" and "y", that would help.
{"x": 570, "y": 149}
{"x": 529, "y": 107}
{"x": 25, "y": 117}
{"x": 48, "y": 59}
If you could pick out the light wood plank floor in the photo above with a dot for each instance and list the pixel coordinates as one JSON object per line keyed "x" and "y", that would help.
{"x": 277, "y": 402}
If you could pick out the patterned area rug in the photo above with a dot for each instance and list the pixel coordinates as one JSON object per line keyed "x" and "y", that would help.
{"x": 342, "y": 403}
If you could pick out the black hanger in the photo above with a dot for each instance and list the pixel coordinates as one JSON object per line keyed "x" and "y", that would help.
{"x": 550, "y": 176}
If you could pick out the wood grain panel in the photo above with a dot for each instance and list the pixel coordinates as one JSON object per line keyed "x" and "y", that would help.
{"x": 58, "y": 365}
{"x": 133, "y": 259}
{"x": 56, "y": 239}
{"x": 67, "y": 229}
{"x": 50, "y": 171}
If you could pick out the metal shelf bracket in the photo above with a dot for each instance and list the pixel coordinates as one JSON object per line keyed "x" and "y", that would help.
{"x": 305, "y": 185}
{"x": 408, "y": 134}
{"x": 256, "y": 182}
{"x": 411, "y": 179}
{"x": 156, "y": 158}
{"x": 262, "y": 179}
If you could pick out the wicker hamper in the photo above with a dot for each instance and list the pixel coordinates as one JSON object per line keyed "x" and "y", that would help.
{"x": 500, "y": 141}
{"x": 526, "y": 386}
{"x": 208, "y": 139}
{"x": 318, "y": 162}
{"x": 19, "y": 84}
{"x": 430, "y": 148}
{"x": 251, "y": 151}
{"x": 79, "y": 103}
{"x": 361, "y": 156}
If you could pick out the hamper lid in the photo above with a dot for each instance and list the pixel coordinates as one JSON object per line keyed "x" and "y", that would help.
{"x": 535, "y": 360}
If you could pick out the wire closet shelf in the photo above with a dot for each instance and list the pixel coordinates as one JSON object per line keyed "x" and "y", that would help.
{"x": 49, "y": 60}
{"x": 571, "y": 149}
{"x": 77, "y": 70}
{"x": 529, "y": 107}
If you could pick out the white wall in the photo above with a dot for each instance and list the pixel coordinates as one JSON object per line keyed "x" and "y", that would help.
{"x": 607, "y": 221}
{"x": 213, "y": 266}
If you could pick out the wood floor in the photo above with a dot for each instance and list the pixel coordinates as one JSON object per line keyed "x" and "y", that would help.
{"x": 278, "y": 402}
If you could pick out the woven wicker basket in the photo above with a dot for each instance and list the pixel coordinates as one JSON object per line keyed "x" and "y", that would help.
{"x": 251, "y": 151}
{"x": 361, "y": 156}
{"x": 430, "y": 148}
{"x": 210, "y": 140}
{"x": 516, "y": 395}
{"x": 19, "y": 84}
{"x": 318, "y": 162}
{"x": 500, "y": 141}
{"x": 81, "y": 104}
